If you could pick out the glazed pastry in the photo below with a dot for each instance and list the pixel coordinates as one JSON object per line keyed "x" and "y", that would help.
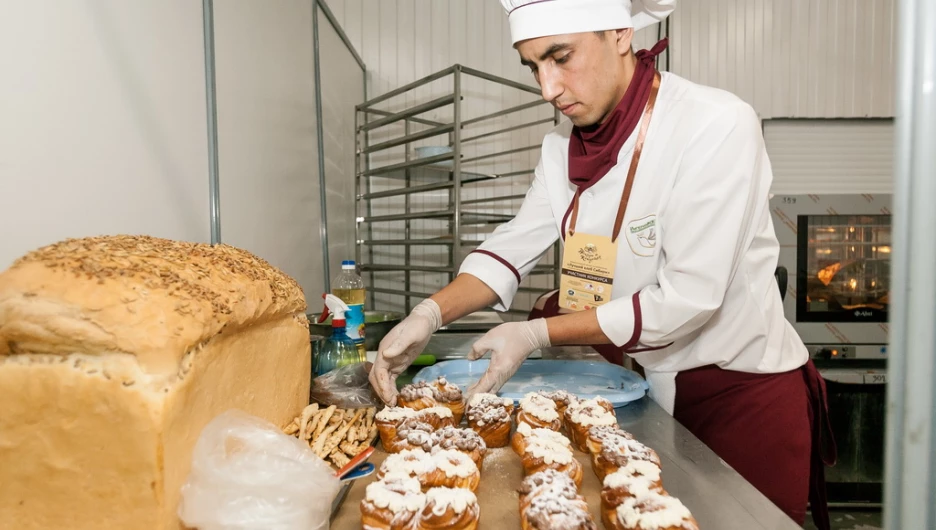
{"x": 583, "y": 416}
{"x": 462, "y": 440}
{"x": 444, "y": 468}
{"x": 437, "y": 417}
{"x": 562, "y": 398}
{"x": 542, "y": 454}
{"x": 622, "y": 485}
{"x": 599, "y": 433}
{"x": 489, "y": 416}
{"x": 518, "y": 442}
{"x": 450, "y": 508}
{"x": 538, "y": 412}
{"x": 455, "y": 470}
{"x": 618, "y": 453}
{"x": 388, "y": 421}
{"x": 413, "y": 433}
{"x": 392, "y": 504}
{"x": 544, "y": 481}
{"x": 652, "y": 511}
{"x": 553, "y": 512}
{"x": 424, "y": 395}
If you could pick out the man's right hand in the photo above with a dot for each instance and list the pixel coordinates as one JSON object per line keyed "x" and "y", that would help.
{"x": 401, "y": 346}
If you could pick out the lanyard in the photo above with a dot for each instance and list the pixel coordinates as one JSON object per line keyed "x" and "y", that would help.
{"x": 629, "y": 183}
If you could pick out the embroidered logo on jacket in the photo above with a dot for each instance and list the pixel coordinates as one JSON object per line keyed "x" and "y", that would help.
{"x": 642, "y": 235}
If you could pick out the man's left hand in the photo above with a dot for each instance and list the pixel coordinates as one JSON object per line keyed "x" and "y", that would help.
{"x": 509, "y": 344}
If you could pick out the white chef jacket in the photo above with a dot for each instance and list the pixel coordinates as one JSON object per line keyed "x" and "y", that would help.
{"x": 694, "y": 280}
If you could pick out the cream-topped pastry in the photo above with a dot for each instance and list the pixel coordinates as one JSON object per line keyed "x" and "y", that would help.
{"x": 411, "y": 462}
{"x": 396, "y": 493}
{"x": 477, "y": 399}
{"x": 539, "y": 406}
{"x": 551, "y": 511}
{"x": 526, "y": 431}
{"x": 551, "y": 451}
{"x": 590, "y": 413}
{"x": 653, "y": 511}
{"x": 395, "y": 414}
{"x": 454, "y": 463}
{"x": 458, "y": 499}
{"x": 637, "y": 468}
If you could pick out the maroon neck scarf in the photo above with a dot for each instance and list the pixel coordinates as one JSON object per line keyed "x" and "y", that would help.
{"x": 593, "y": 150}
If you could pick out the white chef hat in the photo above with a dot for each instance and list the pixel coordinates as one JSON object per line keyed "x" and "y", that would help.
{"x": 530, "y": 19}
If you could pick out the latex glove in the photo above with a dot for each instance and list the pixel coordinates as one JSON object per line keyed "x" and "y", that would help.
{"x": 401, "y": 346}
{"x": 510, "y": 344}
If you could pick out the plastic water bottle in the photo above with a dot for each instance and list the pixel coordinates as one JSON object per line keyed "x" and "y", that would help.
{"x": 349, "y": 287}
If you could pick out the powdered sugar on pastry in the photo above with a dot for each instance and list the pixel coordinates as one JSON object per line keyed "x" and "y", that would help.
{"x": 527, "y": 432}
{"x": 460, "y": 439}
{"x": 442, "y": 412}
{"x": 590, "y": 413}
{"x": 410, "y": 462}
{"x": 454, "y": 463}
{"x": 395, "y": 414}
{"x": 550, "y": 451}
{"x": 636, "y": 485}
{"x": 493, "y": 398}
{"x": 638, "y": 468}
{"x": 397, "y": 494}
{"x": 539, "y": 406}
{"x": 459, "y": 499}
{"x": 654, "y": 511}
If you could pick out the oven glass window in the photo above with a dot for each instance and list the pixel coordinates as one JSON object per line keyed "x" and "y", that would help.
{"x": 843, "y": 270}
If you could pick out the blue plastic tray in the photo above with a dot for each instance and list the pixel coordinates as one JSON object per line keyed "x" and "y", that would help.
{"x": 585, "y": 379}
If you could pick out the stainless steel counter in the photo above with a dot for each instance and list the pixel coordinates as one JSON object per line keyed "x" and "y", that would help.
{"x": 720, "y": 499}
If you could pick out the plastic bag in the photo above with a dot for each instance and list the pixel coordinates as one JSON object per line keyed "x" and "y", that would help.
{"x": 346, "y": 387}
{"x": 247, "y": 474}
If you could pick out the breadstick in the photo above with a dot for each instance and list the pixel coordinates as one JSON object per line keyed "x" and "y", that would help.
{"x": 292, "y": 428}
{"x": 338, "y": 458}
{"x": 319, "y": 447}
{"x": 329, "y": 412}
{"x": 339, "y": 436}
{"x": 307, "y": 414}
{"x": 349, "y": 448}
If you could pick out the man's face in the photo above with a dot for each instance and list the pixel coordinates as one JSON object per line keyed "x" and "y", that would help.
{"x": 581, "y": 74}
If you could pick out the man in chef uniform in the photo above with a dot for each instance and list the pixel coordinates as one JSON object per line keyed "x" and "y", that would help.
{"x": 659, "y": 189}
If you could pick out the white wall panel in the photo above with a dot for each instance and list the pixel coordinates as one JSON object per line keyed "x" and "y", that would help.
{"x": 102, "y": 122}
{"x": 791, "y": 58}
{"x": 830, "y": 156}
{"x": 342, "y": 89}
{"x": 268, "y": 158}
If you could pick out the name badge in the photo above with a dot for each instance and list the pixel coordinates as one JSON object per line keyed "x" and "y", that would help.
{"x": 587, "y": 271}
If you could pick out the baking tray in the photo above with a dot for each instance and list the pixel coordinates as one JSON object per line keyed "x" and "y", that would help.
{"x": 586, "y": 379}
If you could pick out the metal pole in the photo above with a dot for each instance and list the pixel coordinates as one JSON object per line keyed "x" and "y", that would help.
{"x": 320, "y": 134}
{"x": 457, "y": 176}
{"x": 214, "y": 193}
{"x": 407, "y": 301}
{"x": 910, "y": 472}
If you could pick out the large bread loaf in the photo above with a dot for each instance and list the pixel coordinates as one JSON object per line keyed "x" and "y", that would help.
{"x": 114, "y": 353}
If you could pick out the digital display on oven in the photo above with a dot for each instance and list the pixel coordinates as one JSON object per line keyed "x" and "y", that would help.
{"x": 843, "y": 268}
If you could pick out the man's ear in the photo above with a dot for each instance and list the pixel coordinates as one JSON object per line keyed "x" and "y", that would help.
{"x": 625, "y": 38}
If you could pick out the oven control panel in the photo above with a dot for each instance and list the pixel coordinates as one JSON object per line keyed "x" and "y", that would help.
{"x": 844, "y": 352}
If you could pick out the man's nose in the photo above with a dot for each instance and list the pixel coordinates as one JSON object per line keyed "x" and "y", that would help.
{"x": 550, "y": 84}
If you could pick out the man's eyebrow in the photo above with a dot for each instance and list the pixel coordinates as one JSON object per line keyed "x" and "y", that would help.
{"x": 557, "y": 47}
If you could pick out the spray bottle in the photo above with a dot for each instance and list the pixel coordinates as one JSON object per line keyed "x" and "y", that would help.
{"x": 338, "y": 350}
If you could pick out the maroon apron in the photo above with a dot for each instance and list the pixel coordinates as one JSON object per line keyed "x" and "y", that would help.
{"x": 773, "y": 429}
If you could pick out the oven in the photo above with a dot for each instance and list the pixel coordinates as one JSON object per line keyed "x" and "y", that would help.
{"x": 835, "y": 251}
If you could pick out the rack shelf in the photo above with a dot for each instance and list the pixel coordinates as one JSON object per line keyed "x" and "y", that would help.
{"x": 441, "y": 172}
